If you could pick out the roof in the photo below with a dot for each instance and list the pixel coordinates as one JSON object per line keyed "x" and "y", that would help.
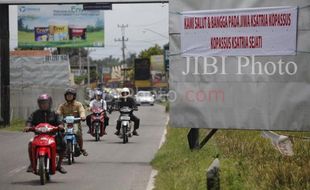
{"x": 30, "y": 53}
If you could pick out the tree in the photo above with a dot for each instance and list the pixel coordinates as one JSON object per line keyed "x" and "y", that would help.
{"x": 93, "y": 75}
{"x": 155, "y": 50}
{"x": 20, "y": 24}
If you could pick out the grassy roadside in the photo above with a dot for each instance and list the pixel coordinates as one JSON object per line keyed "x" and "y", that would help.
{"x": 16, "y": 125}
{"x": 247, "y": 161}
{"x": 165, "y": 104}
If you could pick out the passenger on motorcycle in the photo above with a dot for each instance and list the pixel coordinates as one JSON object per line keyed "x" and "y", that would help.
{"x": 45, "y": 115}
{"x": 74, "y": 108}
{"x": 127, "y": 100}
{"x": 98, "y": 102}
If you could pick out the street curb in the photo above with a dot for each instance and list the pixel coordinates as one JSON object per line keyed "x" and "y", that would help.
{"x": 151, "y": 182}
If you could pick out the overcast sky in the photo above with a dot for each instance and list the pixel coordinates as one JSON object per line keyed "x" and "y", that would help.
{"x": 147, "y": 25}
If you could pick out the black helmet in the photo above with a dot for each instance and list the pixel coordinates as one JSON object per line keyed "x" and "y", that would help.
{"x": 70, "y": 91}
{"x": 45, "y": 98}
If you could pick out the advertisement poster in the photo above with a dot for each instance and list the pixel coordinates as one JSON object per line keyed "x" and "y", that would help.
{"x": 233, "y": 32}
{"x": 157, "y": 69}
{"x": 59, "y": 26}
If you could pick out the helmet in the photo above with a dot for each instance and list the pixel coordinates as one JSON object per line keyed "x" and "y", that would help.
{"x": 98, "y": 93}
{"x": 125, "y": 92}
{"x": 43, "y": 98}
{"x": 70, "y": 91}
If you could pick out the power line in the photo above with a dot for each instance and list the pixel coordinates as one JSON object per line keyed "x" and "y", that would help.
{"x": 151, "y": 24}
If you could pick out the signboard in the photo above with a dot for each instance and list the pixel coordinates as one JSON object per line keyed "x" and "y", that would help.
{"x": 251, "y": 31}
{"x": 59, "y": 26}
{"x": 257, "y": 92}
{"x": 157, "y": 69}
{"x": 142, "y": 83}
{"x": 106, "y": 70}
{"x": 142, "y": 69}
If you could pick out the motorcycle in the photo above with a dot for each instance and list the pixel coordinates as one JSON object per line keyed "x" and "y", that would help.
{"x": 97, "y": 128}
{"x": 72, "y": 147}
{"x": 126, "y": 123}
{"x": 44, "y": 151}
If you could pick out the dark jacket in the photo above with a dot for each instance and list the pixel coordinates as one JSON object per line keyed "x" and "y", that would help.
{"x": 39, "y": 116}
{"x": 129, "y": 102}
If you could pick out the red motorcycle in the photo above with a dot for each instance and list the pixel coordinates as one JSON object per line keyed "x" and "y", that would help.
{"x": 44, "y": 151}
{"x": 97, "y": 128}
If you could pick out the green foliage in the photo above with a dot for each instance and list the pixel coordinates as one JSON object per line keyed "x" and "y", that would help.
{"x": 93, "y": 76}
{"x": 107, "y": 62}
{"x": 179, "y": 168}
{"x": 247, "y": 161}
{"x": 79, "y": 79}
{"x": 94, "y": 29}
{"x": 155, "y": 50}
{"x": 262, "y": 165}
{"x": 16, "y": 125}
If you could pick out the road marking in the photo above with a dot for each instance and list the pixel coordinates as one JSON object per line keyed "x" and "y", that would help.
{"x": 16, "y": 170}
{"x": 163, "y": 138}
{"x": 150, "y": 184}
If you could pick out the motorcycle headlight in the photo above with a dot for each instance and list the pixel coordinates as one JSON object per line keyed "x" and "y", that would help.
{"x": 69, "y": 119}
{"x": 125, "y": 118}
{"x": 125, "y": 123}
{"x": 43, "y": 129}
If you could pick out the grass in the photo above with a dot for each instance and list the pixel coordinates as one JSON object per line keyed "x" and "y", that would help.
{"x": 247, "y": 161}
{"x": 165, "y": 104}
{"x": 26, "y": 39}
{"x": 16, "y": 125}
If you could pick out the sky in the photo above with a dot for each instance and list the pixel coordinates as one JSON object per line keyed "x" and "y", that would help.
{"x": 147, "y": 26}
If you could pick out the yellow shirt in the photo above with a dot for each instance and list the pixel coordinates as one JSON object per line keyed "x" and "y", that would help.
{"x": 75, "y": 109}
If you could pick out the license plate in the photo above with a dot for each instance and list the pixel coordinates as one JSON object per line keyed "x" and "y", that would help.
{"x": 125, "y": 118}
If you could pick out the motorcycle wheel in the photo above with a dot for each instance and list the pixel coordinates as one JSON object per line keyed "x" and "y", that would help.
{"x": 42, "y": 171}
{"x": 69, "y": 152}
{"x": 125, "y": 137}
{"x": 73, "y": 152}
{"x": 97, "y": 138}
{"x": 48, "y": 177}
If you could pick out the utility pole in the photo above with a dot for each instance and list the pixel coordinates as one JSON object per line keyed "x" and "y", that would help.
{"x": 123, "y": 39}
{"x": 80, "y": 63}
{"x": 88, "y": 70}
{"x": 89, "y": 50}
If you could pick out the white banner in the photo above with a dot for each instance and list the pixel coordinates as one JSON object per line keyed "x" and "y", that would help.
{"x": 236, "y": 32}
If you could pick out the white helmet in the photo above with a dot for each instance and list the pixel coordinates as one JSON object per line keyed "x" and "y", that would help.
{"x": 125, "y": 92}
{"x": 98, "y": 93}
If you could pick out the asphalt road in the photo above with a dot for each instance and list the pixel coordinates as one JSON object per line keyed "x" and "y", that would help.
{"x": 110, "y": 164}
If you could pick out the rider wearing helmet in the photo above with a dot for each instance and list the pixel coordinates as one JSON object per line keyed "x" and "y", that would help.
{"x": 98, "y": 102}
{"x": 45, "y": 115}
{"x": 74, "y": 108}
{"x": 127, "y": 100}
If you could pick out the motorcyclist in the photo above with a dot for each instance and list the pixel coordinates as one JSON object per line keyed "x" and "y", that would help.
{"x": 98, "y": 102}
{"x": 74, "y": 108}
{"x": 127, "y": 100}
{"x": 45, "y": 115}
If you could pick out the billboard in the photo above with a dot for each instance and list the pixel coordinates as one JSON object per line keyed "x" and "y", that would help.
{"x": 59, "y": 26}
{"x": 229, "y": 91}
{"x": 157, "y": 69}
{"x": 142, "y": 69}
{"x": 246, "y": 31}
{"x": 77, "y": 1}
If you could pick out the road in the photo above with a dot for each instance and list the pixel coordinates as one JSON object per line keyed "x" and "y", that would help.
{"x": 110, "y": 164}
